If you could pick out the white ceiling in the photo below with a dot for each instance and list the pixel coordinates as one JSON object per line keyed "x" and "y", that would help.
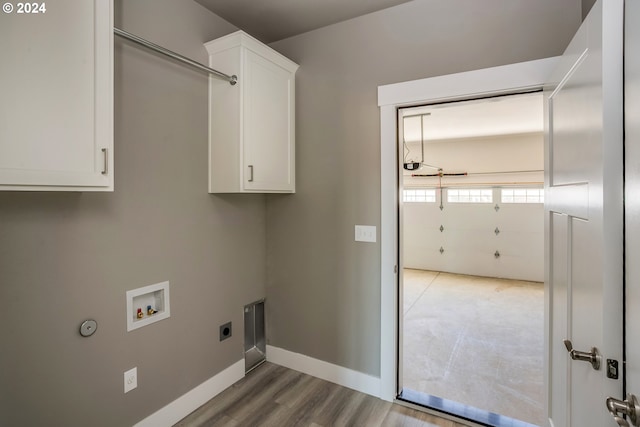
{"x": 272, "y": 20}
{"x": 505, "y": 115}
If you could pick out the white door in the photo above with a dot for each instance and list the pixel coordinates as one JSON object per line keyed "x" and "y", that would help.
{"x": 584, "y": 221}
{"x": 269, "y": 132}
{"x": 632, "y": 196}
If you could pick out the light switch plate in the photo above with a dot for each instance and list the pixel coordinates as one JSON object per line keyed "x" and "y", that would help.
{"x": 366, "y": 233}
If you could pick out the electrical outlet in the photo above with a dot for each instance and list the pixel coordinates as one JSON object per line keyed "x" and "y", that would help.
{"x": 130, "y": 379}
{"x": 225, "y": 331}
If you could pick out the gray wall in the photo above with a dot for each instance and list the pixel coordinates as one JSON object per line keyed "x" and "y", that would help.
{"x": 323, "y": 288}
{"x": 586, "y": 7}
{"x": 66, "y": 257}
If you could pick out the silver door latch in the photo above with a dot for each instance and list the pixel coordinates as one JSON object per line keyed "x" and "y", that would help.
{"x": 592, "y": 357}
{"x": 618, "y": 408}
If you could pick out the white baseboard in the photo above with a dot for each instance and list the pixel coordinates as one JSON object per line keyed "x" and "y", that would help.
{"x": 193, "y": 399}
{"x": 327, "y": 371}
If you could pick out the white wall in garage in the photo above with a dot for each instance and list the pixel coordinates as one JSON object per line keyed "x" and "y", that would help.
{"x": 468, "y": 239}
{"x": 521, "y": 152}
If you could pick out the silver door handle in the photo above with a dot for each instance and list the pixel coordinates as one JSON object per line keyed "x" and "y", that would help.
{"x": 619, "y": 408}
{"x": 592, "y": 357}
{"x": 250, "y": 173}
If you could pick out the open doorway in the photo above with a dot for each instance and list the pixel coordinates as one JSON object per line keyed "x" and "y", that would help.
{"x": 471, "y": 247}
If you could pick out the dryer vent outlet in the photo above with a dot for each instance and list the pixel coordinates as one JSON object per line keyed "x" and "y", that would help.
{"x": 225, "y": 331}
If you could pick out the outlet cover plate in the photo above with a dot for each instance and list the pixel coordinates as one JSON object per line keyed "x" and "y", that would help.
{"x": 130, "y": 379}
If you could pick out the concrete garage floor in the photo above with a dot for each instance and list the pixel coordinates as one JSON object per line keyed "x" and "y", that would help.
{"x": 475, "y": 340}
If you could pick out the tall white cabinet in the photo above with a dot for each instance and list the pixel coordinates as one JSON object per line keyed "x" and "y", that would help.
{"x": 56, "y": 102}
{"x": 251, "y": 123}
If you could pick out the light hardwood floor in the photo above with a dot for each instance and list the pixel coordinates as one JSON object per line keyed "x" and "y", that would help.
{"x": 272, "y": 395}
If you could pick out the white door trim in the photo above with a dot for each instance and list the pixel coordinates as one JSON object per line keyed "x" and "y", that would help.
{"x": 504, "y": 79}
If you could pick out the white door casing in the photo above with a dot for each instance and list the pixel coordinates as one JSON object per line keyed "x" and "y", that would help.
{"x": 584, "y": 219}
{"x": 507, "y": 79}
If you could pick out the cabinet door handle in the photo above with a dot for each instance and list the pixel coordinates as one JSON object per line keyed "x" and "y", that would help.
{"x": 250, "y": 173}
{"x": 105, "y": 170}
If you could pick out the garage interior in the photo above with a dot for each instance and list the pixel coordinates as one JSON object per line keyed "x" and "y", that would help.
{"x": 472, "y": 252}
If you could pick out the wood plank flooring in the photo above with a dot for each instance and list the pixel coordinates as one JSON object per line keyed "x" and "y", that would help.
{"x": 272, "y": 395}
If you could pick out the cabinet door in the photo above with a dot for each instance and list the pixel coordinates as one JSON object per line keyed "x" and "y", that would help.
{"x": 56, "y": 108}
{"x": 269, "y": 132}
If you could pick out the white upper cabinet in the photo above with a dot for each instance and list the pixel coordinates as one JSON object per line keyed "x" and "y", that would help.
{"x": 251, "y": 123}
{"x": 56, "y": 102}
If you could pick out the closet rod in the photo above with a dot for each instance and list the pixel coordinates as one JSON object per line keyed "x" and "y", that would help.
{"x": 231, "y": 79}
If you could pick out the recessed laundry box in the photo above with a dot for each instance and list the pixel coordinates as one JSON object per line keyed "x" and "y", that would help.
{"x": 255, "y": 343}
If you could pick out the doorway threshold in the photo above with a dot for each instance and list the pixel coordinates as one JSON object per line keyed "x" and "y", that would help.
{"x": 459, "y": 410}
